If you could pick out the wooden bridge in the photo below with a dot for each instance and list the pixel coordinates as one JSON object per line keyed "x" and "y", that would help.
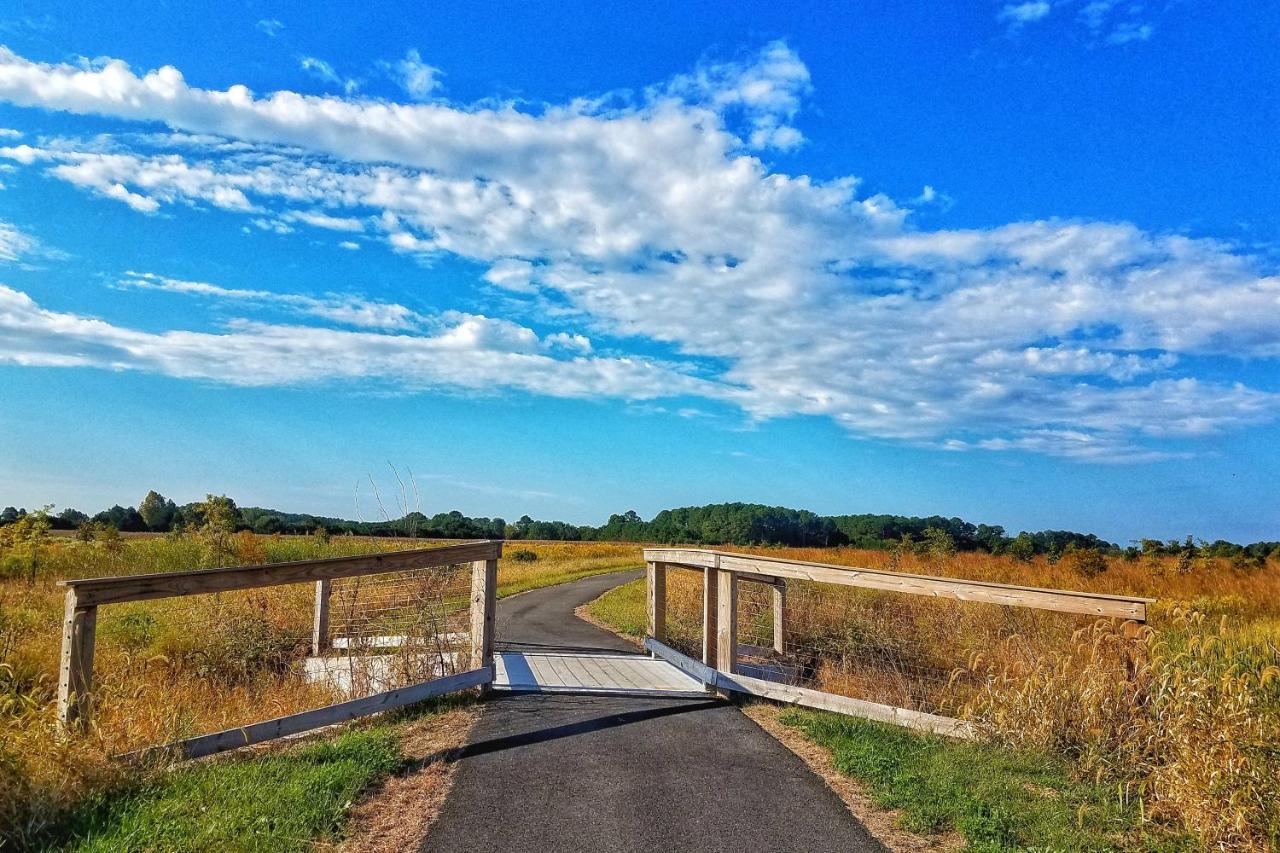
{"x": 468, "y": 659}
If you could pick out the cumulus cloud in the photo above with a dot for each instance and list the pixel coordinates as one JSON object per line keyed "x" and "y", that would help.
{"x": 654, "y": 220}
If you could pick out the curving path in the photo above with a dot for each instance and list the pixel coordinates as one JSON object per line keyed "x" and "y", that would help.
{"x": 556, "y": 772}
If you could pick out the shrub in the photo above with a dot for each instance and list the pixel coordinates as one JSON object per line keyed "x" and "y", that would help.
{"x": 524, "y": 555}
{"x": 1086, "y": 562}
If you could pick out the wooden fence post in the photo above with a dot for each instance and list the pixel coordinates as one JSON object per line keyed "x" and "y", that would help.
{"x": 709, "y": 614}
{"x": 656, "y": 593}
{"x": 484, "y": 603}
{"x": 75, "y": 676}
{"x": 320, "y": 627}
{"x": 780, "y": 616}
{"x": 726, "y": 624}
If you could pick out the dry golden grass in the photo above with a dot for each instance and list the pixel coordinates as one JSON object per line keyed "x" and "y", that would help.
{"x": 1181, "y": 717}
{"x": 173, "y": 668}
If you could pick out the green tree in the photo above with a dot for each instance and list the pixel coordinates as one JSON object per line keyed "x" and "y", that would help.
{"x": 1023, "y": 548}
{"x": 157, "y": 511}
{"x": 218, "y": 519}
{"x": 268, "y": 524}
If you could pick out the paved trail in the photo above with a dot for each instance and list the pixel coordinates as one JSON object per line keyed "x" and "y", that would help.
{"x": 552, "y": 772}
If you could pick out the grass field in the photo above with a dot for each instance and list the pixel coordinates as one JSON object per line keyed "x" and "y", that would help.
{"x": 1185, "y": 744}
{"x": 164, "y": 670}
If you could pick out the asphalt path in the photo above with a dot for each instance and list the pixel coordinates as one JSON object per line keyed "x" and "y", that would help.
{"x": 555, "y": 772}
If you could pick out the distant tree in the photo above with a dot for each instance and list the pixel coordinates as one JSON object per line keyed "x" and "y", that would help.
{"x": 218, "y": 520}
{"x": 121, "y": 518}
{"x": 268, "y": 524}
{"x": 157, "y": 511}
{"x": 1022, "y": 548}
{"x": 10, "y": 514}
{"x": 937, "y": 543}
{"x": 1087, "y": 562}
{"x": 70, "y": 519}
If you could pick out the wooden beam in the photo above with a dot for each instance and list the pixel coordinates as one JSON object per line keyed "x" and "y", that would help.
{"x": 656, "y": 600}
{"x": 307, "y": 720}
{"x": 484, "y": 584}
{"x": 94, "y": 591}
{"x": 320, "y": 621}
{"x": 710, "y": 616}
{"x": 780, "y": 617}
{"x": 726, "y": 682}
{"x": 75, "y": 672}
{"x": 726, "y": 621}
{"x": 1065, "y": 601}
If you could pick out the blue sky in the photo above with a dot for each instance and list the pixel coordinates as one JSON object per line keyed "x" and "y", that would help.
{"x": 1010, "y": 261}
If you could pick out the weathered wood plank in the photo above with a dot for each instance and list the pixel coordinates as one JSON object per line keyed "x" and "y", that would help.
{"x": 812, "y": 698}
{"x": 918, "y": 720}
{"x": 1065, "y": 601}
{"x": 656, "y": 600}
{"x": 780, "y": 617}
{"x": 294, "y": 723}
{"x": 710, "y": 615}
{"x": 726, "y": 623}
{"x": 75, "y": 671}
{"x": 96, "y": 591}
{"x": 484, "y": 583}
{"x": 320, "y": 619}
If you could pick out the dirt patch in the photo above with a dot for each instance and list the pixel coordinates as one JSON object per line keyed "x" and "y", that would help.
{"x": 882, "y": 823}
{"x": 583, "y": 612}
{"x": 396, "y": 815}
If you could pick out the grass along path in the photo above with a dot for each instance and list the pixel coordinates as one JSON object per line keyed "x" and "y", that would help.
{"x": 284, "y": 798}
{"x": 994, "y": 798}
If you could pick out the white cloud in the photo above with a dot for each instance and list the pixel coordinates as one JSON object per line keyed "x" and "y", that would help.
{"x": 418, "y": 79}
{"x": 340, "y": 308}
{"x": 14, "y": 243}
{"x": 349, "y": 245}
{"x": 1127, "y": 31}
{"x": 469, "y": 353}
{"x": 1017, "y": 14}
{"x": 270, "y": 26}
{"x": 322, "y": 70}
{"x": 650, "y": 222}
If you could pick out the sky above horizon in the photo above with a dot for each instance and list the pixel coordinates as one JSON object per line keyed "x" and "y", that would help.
{"x": 1015, "y": 262}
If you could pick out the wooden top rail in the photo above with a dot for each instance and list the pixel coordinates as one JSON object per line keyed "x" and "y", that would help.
{"x": 91, "y": 592}
{"x": 1065, "y": 601}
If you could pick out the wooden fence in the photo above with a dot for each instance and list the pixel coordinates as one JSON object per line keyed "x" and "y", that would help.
{"x": 722, "y": 572}
{"x": 84, "y": 597}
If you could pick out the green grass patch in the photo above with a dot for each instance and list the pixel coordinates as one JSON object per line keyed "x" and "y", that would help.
{"x": 622, "y": 608}
{"x": 278, "y": 802}
{"x": 996, "y": 798}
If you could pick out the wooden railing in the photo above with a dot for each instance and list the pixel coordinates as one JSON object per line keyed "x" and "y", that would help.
{"x": 75, "y": 686}
{"x": 723, "y": 571}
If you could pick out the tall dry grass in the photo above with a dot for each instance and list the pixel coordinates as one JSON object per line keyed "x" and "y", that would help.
{"x": 173, "y": 668}
{"x": 1181, "y": 716}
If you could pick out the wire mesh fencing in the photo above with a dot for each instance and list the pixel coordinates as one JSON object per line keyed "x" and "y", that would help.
{"x": 925, "y": 653}
{"x": 172, "y": 668}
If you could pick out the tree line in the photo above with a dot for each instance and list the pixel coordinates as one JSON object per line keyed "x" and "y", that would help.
{"x": 713, "y": 524}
